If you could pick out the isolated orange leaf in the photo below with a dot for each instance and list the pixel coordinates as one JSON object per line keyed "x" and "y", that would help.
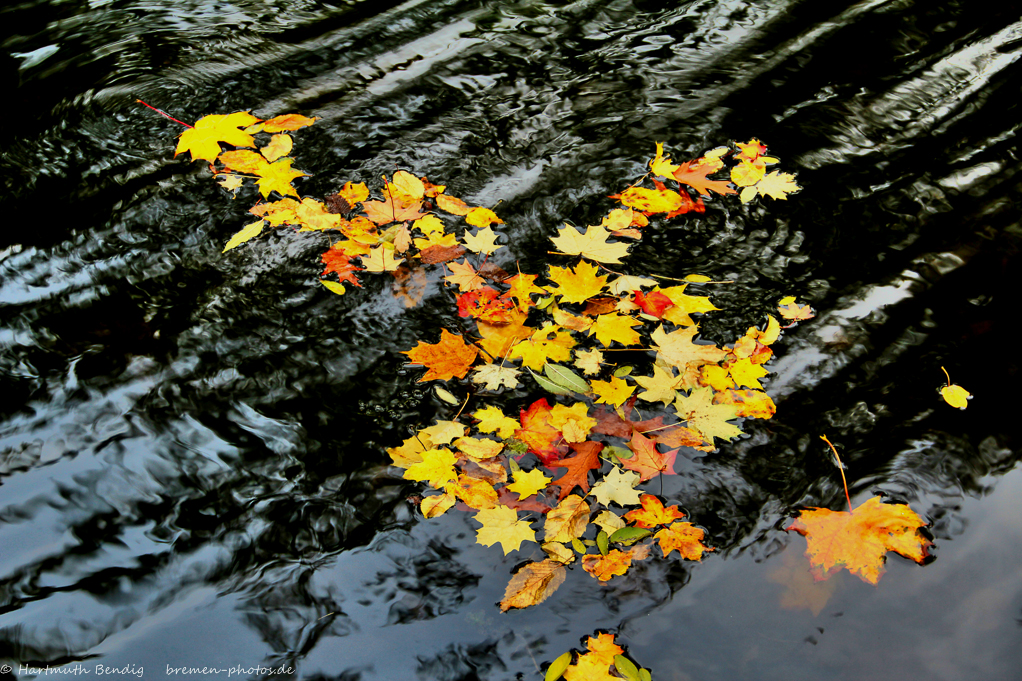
{"x": 287, "y": 122}
{"x": 533, "y": 584}
{"x": 449, "y": 358}
{"x": 860, "y": 539}
{"x": 685, "y": 538}
{"x": 789, "y": 309}
{"x": 653, "y": 513}
{"x": 452, "y": 204}
{"x": 604, "y": 567}
{"x": 694, "y": 175}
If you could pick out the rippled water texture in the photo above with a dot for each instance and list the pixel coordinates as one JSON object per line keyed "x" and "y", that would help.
{"x": 192, "y": 465}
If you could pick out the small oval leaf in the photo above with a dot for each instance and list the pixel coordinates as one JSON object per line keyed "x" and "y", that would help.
{"x": 446, "y": 396}
{"x": 628, "y": 535}
{"x": 626, "y": 668}
{"x": 645, "y": 675}
{"x": 603, "y": 542}
{"x": 548, "y": 385}
{"x": 514, "y": 465}
{"x": 333, "y": 286}
{"x": 578, "y": 545}
{"x": 558, "y": 667}
{"x": 623, "y": 371}
{"x": 566, "y": 378}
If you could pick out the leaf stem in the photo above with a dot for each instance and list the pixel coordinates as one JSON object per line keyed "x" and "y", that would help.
{"x": 948, "y": 376}
{"x": 840, "y": 467}
{"x": 164, "y": 114}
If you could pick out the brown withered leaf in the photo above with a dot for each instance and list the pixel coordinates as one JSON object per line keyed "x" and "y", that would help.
{"x": 433, "y": 255}
{"x": 533, "y": 584}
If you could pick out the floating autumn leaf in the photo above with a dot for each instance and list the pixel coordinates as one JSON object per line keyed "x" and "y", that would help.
{"x": 483, "y": 241}
{"x": 586, "y": 458}
{"x": 452, "y": 205}
{"x": 482, "y": 217}
{"x": 493, "y": 420}
{"x": 647, "y": 460}
{"x": 955, "y": 395}
{"x": 247, "y": 233}
{"x": 501, "y": 525}
{"x": 593, "y": 244}
{"x": 568, "y": 521}
{"x": 380, "y": 259}
{"x": 528, "y": 483}
{"x": 493, "y": 377}
{"x": 578, "y": 284}
{"x": 694, "y": 174}
{"x": 776, "y": 185}
{"x": 615, "y": 391}
{"x": 708, "y": 419}
{"x": 449, "y": 358}
{"x": 278, "y": 177}
{"x": 604, "y": 567}
{"x": 287, "y": 122}
{"x": 280, "y": 145}
{"x": 617, "y": 487}
{"x": 464, "y": 276}
{"x": 203, "y": 140}
{"x": 792, "y": 311}
{"x": 685, "y": 538}
{"x": 860, "y": 539}
{"x": 653, "y": 513}
{"x": 533, "y": 584}
{"x": 615, "y": 327}
{"x": 549, "y": 344}
{"x": 436, "y": 468}
{"x": 662, "y": 386}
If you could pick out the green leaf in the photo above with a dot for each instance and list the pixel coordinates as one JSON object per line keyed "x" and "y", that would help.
{"x": 623, "y": 371}
{"x": 558, "y": 667}
{"x": 446, "y": 396}
{"x": 626, "y": 668}
{"x": 629, "y": 535}
{"x": 548, "y": 385}
{"x": 544, "y": 303}
{"x": 645, "y": 675}
{"x": 578, "y": 545}
{"x": 566, "y": 378}
{"x": 514, "y": 465}
{"x": 603, "y": 542}
{"x": 622, "y": 453}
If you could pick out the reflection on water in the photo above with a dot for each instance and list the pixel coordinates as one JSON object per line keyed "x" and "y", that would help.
{"x": 191, "y": 448}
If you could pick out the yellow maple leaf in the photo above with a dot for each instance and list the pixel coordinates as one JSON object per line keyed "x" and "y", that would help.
{"x": 579, "y": 284}
{"x": 203, "y": 140}
{"x": 436, "y": 468}
{"x": 708, "y": 419}
{"x": 464, "y": 276}
{"x": 549, "y": 344}
{"x": 776, "y": 185}
{"x": 588, "y": 361}
{"x": 662, "y": 386}
{"x": 478, "y": 448}
{"x": 593, "y": 244}
{"x": 483, "y": 241}
{"x": 277, "y": 212}
{"x": 615, "y": 391}
{"x": 677, "y": 348}
{"x": 406, "y": 183}
{"x": 652, "y": 200}
{"x": 615, "y": 327}
{"x": 744, "y": 372}
{"x": 501, "y": 525}
{"x": 313, "y": 216}
{"x": 528, "y": 483}
{"x": 476, "y": 493}
{"x": 381, "y": 259}
{"x": 493, "y": 420}
{"x": 277, "y": 177}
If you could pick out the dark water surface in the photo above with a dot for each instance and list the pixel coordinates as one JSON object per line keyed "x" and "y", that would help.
{"x": 192, "y": 464}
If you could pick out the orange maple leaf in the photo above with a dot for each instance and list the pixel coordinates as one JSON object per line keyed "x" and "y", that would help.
{"x": 604, "y": 567}
{"x": 694, "y": 175}
{"x": 587, "y": 457}
{"x": 653, "y": 513}
{"x": 449, "y": 358}
{"x": 539, "y": 434}
{"x": 397, "y": 206}
{"x": 860, "y": 539}
{"x": 685, "y": 538}
{"x": 647, "y": 460}
{"x": 336, "y": 260}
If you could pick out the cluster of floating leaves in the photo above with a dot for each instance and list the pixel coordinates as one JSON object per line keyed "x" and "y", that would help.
{"x": 570, "y": 469}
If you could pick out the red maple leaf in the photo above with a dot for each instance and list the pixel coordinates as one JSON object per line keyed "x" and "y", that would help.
{"x": 336, "y": 260}
{"x": 653, "y": 303}
{"x": 538, "y": 434}
{"x": 587, "y": 457}
{"x": 487, "y": 305}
